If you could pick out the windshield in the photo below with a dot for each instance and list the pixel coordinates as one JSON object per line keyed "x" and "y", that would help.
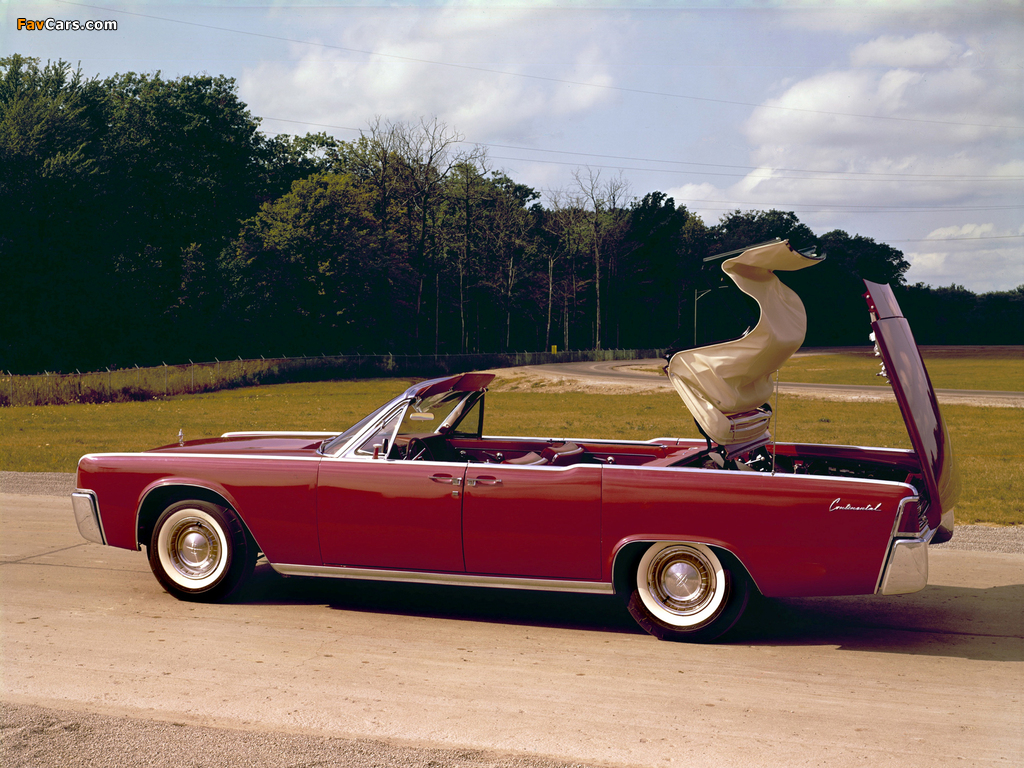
{"x": 401, "y": 416}
{"x": 335, "y": 443}
{"x": 430, "y": 414}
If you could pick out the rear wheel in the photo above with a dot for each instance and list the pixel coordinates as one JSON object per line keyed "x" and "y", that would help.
{"x": 200, "y": 551}
{"x": 686, "y": 591}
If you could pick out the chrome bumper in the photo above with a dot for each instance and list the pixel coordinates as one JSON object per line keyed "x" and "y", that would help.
{"x": 87, "y": 516}
{"x": 906, "y": 570}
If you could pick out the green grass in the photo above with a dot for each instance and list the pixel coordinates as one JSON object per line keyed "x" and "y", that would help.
{"x": 962, "y": 368}
{"x": 987, "y": 441}
{"x": 973, "y": 368}
{"x": 51, "y": 438}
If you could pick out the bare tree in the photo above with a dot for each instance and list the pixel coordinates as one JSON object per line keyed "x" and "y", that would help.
{"x": 510, "y": 242}
{"x": 602, "y": 197}
{"x": 564, "y": 220}
{"x": 468, "y": 190}
{"x": 429, "y": 152}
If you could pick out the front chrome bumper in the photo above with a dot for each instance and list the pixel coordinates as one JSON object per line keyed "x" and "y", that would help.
{"x": 906, "y": 570}
{"x": 87, "y": 516}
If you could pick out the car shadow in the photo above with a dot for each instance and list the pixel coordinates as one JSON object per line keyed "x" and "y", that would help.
{"x": 604, "y": 613}
{"x": 957, "y": 622}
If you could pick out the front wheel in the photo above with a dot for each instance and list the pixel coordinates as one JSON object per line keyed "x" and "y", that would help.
{"x": 684, "y": 591}
{"x": 200, "y": 551}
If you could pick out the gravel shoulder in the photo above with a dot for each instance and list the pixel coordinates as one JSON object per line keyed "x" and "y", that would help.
{"x": 35, "y": 736}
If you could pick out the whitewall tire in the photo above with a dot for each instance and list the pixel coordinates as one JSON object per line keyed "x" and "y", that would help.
{"x": 200, "y": 551}
{"x": 688, "y": 591}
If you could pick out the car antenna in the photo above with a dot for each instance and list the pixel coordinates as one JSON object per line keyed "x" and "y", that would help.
{"x": 775, "y": 412}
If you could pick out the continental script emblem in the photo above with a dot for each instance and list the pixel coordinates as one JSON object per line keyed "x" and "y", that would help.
{"x": 838, "y": 506}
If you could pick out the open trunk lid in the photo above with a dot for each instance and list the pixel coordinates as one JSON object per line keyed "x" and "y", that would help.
{"x": 906, "y": 372}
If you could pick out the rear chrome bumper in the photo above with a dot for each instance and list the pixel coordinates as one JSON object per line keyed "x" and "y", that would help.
{"x": 906, "y": 569}
{"x": 87, "y": 516}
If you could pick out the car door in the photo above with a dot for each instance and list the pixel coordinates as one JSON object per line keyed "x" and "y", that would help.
{"x": 533, "y": 521}
{"x": 378, "y": 513}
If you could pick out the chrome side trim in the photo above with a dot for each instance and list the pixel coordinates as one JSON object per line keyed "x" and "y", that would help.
{"x": 258, "y": 433}
{"x": 180, "y": 456}
{"x": 449, "y": 579}
{"x": 87, "y": 516}
{"x": 751, "y": 476}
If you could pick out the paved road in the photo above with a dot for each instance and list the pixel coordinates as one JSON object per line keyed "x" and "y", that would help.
{"x": 626, "y": 371}
{"x": 391, "y": 675}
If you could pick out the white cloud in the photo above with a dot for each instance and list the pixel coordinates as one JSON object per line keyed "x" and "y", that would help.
{"x": 929, "y": 49}
{"x": 981, "y": 266}
{"x": 401, "y": 82}
{"x": 962, "y": 231}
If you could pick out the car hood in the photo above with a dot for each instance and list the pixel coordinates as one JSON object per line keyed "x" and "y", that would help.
{"x": 249, "y": 444}
{"x": 903, "y": 366}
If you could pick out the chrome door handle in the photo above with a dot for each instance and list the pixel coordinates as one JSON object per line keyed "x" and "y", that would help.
{"x": 448, "y": 479}
{"x": 483, "y": 481}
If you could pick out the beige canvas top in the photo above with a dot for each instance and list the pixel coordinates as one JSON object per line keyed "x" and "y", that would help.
{"x": 722, "y": 383}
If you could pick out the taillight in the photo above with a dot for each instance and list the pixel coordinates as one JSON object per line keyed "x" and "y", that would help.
{"x": 912, "y": 518}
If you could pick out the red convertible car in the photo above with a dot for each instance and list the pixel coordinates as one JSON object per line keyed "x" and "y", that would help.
{"x": 685, "y": 530}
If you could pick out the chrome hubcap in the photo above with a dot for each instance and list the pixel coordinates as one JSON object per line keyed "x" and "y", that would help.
{"x": 194, "y": 548}
{"x": 681, "y": 580}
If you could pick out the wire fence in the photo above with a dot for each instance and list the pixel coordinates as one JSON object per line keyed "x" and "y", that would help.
{"x": 135, "y": 383}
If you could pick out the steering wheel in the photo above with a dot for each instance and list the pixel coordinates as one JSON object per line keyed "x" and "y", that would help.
{"x": 417, "y": 450}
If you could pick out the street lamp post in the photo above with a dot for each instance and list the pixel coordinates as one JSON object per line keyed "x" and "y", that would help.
{"x": 697, "y": 295}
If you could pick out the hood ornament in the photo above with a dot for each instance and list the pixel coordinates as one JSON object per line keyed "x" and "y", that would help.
{"x": 181, "y": 438}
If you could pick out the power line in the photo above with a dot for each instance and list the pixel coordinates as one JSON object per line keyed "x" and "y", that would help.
{"x": 881, "y": 176}
{"x": 959, "y": 239}
{"x": 544, "y": 78}
{"x": 813, "y": 208}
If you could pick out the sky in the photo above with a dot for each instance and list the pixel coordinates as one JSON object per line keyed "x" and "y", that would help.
{"x": 897, "y": 120}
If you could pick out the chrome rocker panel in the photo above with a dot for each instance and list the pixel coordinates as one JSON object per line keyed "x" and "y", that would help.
{"x": 450, "y": 579}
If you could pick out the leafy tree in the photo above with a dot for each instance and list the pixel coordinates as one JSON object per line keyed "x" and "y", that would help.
{"x": 743, "y": 228}
{"x": 50, "y": 118}
{"x": 664, "y": 250}
{"x": 302, "y": 270}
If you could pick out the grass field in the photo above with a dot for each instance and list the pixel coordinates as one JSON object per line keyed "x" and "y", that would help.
{"x": 973, "y": 368}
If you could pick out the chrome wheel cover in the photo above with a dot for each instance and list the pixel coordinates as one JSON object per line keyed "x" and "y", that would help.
{"x": 683, "y": 585}
{"x": 192, "y": 547}
{"x": 681, "y": 580}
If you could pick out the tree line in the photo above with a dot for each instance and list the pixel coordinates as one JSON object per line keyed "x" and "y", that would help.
{"x": 146, "y": 220}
